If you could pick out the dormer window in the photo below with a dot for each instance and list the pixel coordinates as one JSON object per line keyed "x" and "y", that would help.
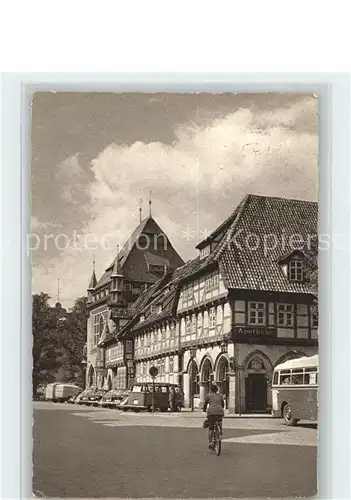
{"x": 295, "y": 270}
{"x": 204, "y": 252}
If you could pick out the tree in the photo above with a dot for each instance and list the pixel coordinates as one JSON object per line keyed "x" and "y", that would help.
{"x": 73, "y": 335}
{"x": 46, "y": 348}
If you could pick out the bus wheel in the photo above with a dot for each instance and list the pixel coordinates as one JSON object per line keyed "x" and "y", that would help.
{"x": 287, "y": 416}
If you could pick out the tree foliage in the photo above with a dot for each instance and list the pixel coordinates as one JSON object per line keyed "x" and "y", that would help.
{"x": 58, "y": 341}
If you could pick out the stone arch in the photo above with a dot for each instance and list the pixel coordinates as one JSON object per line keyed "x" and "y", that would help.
{"x": 222, "y": 361}
{"x": 259, "y": 355}
{"x": 221, "y": 371}
{"x": 194, "y": 378}
{"x": 206, "y": 368}
{"x": 257, "y": 372}
{"x": 290, "y": 355}
{"x": 207, "y": 356}
{"x": 192, "y": 360}
{"x": 91, "y": 376}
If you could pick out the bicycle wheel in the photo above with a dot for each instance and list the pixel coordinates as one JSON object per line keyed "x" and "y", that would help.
{"x": 218, "y": 442}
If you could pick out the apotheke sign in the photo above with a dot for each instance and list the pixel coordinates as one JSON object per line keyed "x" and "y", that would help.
{"x": 259, "y": 331}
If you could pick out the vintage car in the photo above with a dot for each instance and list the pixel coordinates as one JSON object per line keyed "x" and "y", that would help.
{"x": 111, "y": 398}
{"x": 142, "y": 397}
{"x": 92, "y": 397}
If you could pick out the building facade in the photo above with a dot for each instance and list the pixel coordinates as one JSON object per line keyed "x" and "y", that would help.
{"x": 245, "y": 304}
{"x": 145, "y": 258}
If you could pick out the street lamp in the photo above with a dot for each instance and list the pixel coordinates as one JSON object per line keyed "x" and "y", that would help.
{"x": 192, "y": 352}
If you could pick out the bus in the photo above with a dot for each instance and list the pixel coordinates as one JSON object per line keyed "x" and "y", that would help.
{"x": 295, "y": 390}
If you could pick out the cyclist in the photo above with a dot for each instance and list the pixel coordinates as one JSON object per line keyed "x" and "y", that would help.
{"x": 214, "y": 404}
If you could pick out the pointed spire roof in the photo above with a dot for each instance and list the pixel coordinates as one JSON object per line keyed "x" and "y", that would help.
{"x": 117, "y": 269}
{"x": 93, "y": 280}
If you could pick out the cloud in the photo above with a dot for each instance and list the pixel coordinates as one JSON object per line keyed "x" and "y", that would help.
{"x": 196, "y": 182}
{"x": 37, "y": 224}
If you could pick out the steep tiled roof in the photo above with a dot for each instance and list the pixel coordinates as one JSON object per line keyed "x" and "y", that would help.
{"x": 141, "y": 272}
{"x": 264, "y": 232}
{"x": 222, "y": 227}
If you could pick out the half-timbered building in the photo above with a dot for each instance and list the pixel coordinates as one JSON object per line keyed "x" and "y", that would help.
{"x": 245, "y": 304}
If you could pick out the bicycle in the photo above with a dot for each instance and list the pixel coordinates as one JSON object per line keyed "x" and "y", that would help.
{"x": 216, "y": 437}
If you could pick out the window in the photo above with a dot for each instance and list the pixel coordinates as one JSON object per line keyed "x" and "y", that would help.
{"x": 188, "y": 292}
{"x": 212, "y": 317}
{"x": 187, "y": 325}
{"x": 205, "y": 252}
{"x": 172, "y": 329}
{"x": 171, "y": 364}
{"x": 211, "y": 281}
{"x": 257, "y": 313}
{"x": 295, "y": 270}
{"x": 285, "y": 377}
{"x": 98, "y": 327}
{"x": 214, "y": 280}
{"x": 285, "y": 315}
{"x": 314, "y": 317}
{"x": 297, "y": 377}
{"x": 193, "y": 323}
{"x": 127, "y": 287}
{"x": 275, "y": 378}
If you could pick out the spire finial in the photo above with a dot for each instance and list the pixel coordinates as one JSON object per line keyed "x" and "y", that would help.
{"x": 58, "y": 289}
{"x": 140, "y": 209}
{"x": 150, "y": 202}
{"x": 94, "y": 262}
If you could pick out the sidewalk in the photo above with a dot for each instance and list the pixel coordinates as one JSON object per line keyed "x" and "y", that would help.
{"x": 227, "y": 414}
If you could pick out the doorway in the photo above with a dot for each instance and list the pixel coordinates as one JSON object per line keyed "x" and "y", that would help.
{"x": 256, "y": 392}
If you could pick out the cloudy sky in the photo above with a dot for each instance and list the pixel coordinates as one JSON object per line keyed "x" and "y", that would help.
{"x": 96, "y": 155}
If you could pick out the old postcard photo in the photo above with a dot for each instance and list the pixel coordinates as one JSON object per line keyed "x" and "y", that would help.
{"x": 174, "y": 246}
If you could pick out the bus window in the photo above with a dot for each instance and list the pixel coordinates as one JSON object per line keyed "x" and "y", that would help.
{"x": 285, "y": 377}
{"x": 275, "y": 378}
{"x": 137, "y": 388}
{"x": 297, "y": 377}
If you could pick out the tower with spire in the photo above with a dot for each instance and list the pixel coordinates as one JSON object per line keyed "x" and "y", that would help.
{"x": 92, "y": 283}
{"x": 138, "y": 265}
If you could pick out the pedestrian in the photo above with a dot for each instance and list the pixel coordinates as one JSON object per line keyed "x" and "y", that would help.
{"x": 172, "y": 399}
{"x": 214, "y": 404}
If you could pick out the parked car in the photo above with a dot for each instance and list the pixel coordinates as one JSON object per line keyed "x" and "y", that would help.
{"x": 84, "y": 397}
{"x": 94, "y": 397}
{"x": 110, "y": 399}
{"x": 141, "y": 397}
